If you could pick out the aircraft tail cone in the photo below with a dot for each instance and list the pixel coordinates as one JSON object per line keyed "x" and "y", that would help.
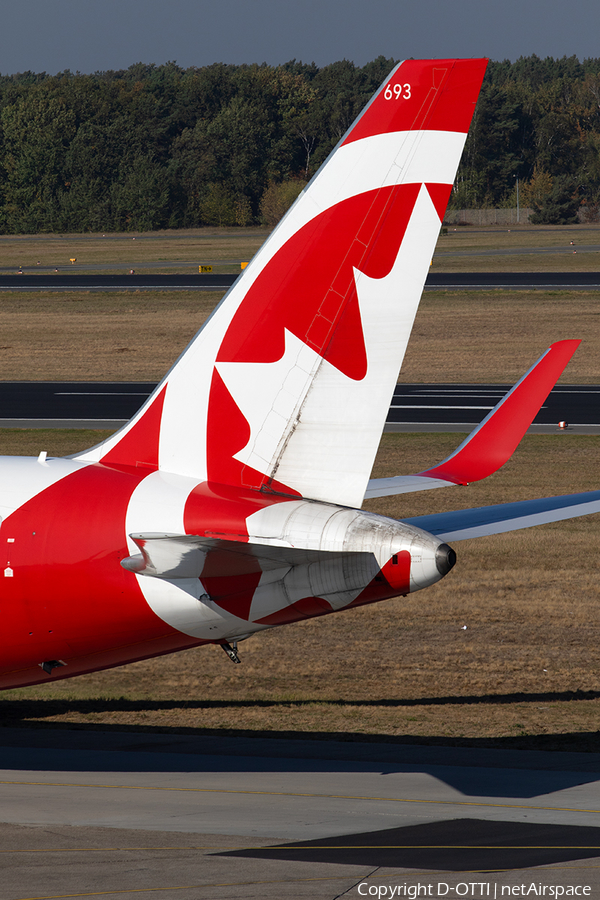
{"x": 445, "y": 559}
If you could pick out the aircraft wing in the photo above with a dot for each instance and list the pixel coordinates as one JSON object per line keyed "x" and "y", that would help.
{"x": 484, "y": 520}
{"x": 495, "y": 439}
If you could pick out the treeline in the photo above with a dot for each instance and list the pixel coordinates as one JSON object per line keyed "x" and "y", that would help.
{"x": 537, "y": 123}
{"x": 164, "y": 147}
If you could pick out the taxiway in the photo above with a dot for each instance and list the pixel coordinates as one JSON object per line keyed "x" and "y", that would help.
{"x": 414, "y": 407}
{"x": 95, "y": 813}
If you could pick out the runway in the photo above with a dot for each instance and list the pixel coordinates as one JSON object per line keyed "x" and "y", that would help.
{"x": 513, "y": 280}
{"x": 459, "y": 407}
{"x": 94, "y": 813}
{"x": 414, "y": 407}
{"x": 65, "y": 280}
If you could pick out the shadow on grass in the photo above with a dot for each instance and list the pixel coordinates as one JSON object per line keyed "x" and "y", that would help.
{"x": 39, "y": 713}
{"x": 54, "y": 707}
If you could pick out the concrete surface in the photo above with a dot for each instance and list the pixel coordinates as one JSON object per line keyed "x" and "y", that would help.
{"x": 90, "y": 813}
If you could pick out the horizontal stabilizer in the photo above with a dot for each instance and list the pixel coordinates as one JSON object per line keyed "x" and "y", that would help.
{"x": 485, "y": 520}
{"x": 192, "y": 556}
{"x": 496, "y": 438}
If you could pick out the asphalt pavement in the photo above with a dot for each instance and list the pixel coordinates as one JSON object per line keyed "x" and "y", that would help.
{"x": 415, "y": 407}
{"x": 98, "y": 813}
{"x": 66, "y": 280}
{"x": 459, "y": 407}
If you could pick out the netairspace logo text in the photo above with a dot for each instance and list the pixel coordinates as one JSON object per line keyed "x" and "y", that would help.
{"x": 472, "y": 889}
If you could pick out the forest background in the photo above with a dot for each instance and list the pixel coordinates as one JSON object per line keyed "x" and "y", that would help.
{"x": 155, "y": 147}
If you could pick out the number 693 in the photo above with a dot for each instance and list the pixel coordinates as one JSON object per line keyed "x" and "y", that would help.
{"x": 397, "y": 92}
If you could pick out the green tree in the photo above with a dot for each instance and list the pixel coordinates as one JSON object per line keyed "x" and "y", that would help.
{"x": 278, "y": 198}
{"x": 156, "y": 146}
{"x": 36, "y": 131}
{"x": 218, "y": 206}
{"x": 560, "y": 206}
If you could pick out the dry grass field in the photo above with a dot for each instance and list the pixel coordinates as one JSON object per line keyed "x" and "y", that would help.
{"x": 526, "y": 670}
{"x": 464, "y": 248}
{"x": 180, "y": 251}
{"x": 494, "y": 336}
{"x": 105, "y": 336}
{"x": 524, "y": 248}
{"x": 458, "y": 336}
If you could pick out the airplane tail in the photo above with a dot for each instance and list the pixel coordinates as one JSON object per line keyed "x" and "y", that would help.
{"x": 286, "y": 387}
